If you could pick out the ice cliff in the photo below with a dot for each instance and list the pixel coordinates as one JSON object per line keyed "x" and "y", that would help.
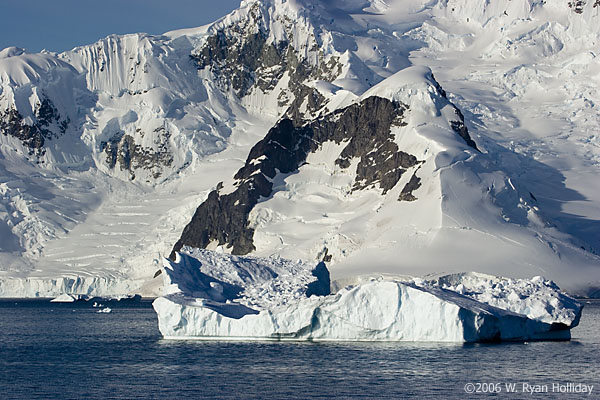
{"x": 217, "y": 296}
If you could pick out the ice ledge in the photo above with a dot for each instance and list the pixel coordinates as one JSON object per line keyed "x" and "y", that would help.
{"x": 70, "y": 285}
{"x": 482, "y": 309}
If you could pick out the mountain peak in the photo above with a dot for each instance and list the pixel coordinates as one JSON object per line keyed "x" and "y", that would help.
{"x": 11, "y": 52}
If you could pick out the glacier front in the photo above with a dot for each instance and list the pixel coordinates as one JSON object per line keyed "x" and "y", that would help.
{"x": 215, "y": 296}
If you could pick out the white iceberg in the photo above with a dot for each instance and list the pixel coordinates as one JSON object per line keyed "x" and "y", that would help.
{"x": 69, "y": 298}
{"x": 64, "y": 298}
{"x": 217, "y": 296}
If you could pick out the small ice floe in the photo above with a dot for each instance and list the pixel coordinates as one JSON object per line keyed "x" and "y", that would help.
{"x": 70, "y": 298}
{"x": 104, "y": 310}
{"x": 97, "y": 305}
{"x": 64, "y": 298}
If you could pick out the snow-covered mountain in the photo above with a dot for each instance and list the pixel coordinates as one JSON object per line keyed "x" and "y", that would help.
{"x": 382, "y": 136}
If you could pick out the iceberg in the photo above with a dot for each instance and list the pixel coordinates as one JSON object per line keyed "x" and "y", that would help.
{"x": 215, "y": 296}
{"x": 71, "y": 298}
{"x": 64, "y": 298}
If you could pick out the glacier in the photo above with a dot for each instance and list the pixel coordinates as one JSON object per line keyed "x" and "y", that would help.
{"x": 248, "y": 302}
{"x": 78, "y": 286}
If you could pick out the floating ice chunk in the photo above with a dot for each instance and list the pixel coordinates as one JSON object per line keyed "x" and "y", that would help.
{"x": 448, "y": 309}
{"x": 105, "y": 310}
{"x": 65, "y": 298}
{"x": 69, "y": 298}
{"x": 374, "y": 311}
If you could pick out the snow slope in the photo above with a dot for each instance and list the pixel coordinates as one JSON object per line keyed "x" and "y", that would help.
{"x": 106, "y": 150}
{"x": 527, "y": 81}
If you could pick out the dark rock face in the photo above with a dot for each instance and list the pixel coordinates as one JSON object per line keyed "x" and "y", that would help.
{"x": 11, "y": 123}
{"x": 314, "y": 102}
{"x": 239, "y": 59}
{"x": 324, "y": 255}
{"x": 577, "y": 6}
{"x": 407, "y": 191}
{"x": 122, "y": 150}
{"x": 365, "y": 127}
{"x": 461, "y": 130}
{"x": 48, "y": 125}
{"x": 224, "y": 218}
{"x": 458, "y": 126}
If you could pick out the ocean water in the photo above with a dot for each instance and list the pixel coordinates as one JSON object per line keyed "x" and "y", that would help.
{"x": 70, "y": 351}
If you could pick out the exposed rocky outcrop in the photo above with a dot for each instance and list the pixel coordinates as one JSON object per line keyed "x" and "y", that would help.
{"x": 407, "y": 191}
{"x": 324, "y": 255}
{"x": 461, "y": 130}
{"x": 307, "y": 99}
{"x": 577, "y": 6}
{"x": 458, "y": 126}
{"x": 364, "y": 127}
{"x": 122, "y": 150}
{"x": 236, "y": 60}
{"x": 48, "y": 124}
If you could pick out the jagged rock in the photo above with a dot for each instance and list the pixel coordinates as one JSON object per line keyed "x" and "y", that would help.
{"x": 461, "y": 130}
{"x": 48, "y": 124}
{"x": 577, "y": 6}
{"x": 238, "y": 59}
{"x": 407, "y": 192}
{"x": 314, "y": 102}
{"x": 122, "y": 150}
{"x": 458, "y": 126}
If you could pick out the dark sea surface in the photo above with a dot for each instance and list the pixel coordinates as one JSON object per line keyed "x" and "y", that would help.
{"x": 70, "y": 351}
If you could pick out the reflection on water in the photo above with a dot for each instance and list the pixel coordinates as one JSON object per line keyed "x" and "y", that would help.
{"x": 50, "y": 350}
